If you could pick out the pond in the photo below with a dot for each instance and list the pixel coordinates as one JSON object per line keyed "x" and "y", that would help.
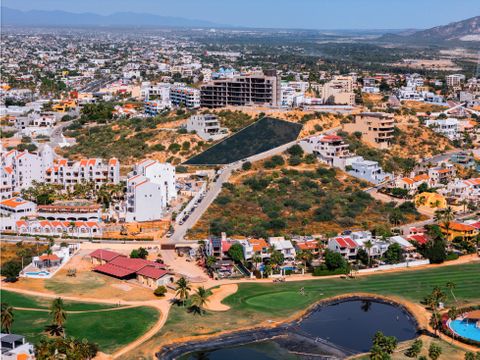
{"x": 346, "y": 326}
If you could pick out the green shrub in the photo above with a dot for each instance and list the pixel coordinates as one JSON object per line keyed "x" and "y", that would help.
{"x": 160, "y": 291}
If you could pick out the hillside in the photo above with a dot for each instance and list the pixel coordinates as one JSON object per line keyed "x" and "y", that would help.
{"x": 276, "y": 198}
{"x": 465, "y": 30}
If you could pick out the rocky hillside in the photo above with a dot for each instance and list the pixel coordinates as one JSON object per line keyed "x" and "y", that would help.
{"x": 465, "y": 30}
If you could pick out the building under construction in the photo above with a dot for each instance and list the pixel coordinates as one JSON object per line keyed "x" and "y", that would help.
{"x": 253, "y": 89}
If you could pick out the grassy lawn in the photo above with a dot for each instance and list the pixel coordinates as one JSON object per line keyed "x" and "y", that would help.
{"x": 110, "y": 330}
{"x": 84, "y": 282}
{"x": 278, "y": 299}
{"x": 20, "y": 300}
{"x": 255, "y": 303}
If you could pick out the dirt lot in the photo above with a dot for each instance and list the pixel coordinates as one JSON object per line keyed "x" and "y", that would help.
{"x": 87, "y": 283}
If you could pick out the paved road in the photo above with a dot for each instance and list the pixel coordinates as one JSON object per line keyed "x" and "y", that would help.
{"x": 56, "y": 135}
{"x": 97, "y": 84}
{"x": 215, "y": 187}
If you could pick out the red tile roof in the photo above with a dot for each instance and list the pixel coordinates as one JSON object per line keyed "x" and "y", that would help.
{"x": 308, "y": 245}
{"x": 106, "y": 255}
{"x": 131, "y": 264}
{"x": 346, "y": 243}
{"x": 419, "y": 239}
{"x": 152, "y": 272}
{"x": 114, "y": 270}
{"x": 52, "y": 257}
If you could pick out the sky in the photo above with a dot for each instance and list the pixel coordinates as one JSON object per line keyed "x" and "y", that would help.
{"x": 306, "y": 14}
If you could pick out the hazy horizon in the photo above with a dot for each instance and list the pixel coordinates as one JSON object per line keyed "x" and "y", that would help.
{"x": 300, "y": 14}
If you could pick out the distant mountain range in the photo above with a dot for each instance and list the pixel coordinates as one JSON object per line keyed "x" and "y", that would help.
{"x": 62, "y": 18}
{"x": 465, "y": 30}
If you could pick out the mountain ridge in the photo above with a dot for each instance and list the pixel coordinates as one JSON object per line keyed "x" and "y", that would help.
{"x": 463, "y": 30}
{"x": 16, "y": 17}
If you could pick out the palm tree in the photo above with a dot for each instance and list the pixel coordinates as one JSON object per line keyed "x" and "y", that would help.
{"x": 256, "y": 260}
{"x": 450, "y": 286}
{"x": 58, "y": 313}
{"x": 445, "y": 216}
{"x": 200, "y": 298}
{"x": 464, "y": 203}
{"x": 368, "y": 245}
{"x": 7, "y": 318}
{"x": 183, "y": 288}
{"x": 55, "y": 330}
{"x": 22, "y": 253}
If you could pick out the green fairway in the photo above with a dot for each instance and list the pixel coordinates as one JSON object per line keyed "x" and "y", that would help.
{"x": 24, "y": 301}
{"x": 110, "y": 329}
{"x": 285, "y": 298}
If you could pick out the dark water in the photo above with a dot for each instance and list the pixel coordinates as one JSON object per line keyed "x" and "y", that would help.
{"x": 266, "y": 350}
{"x": 352, "y": 324}
{"x": 349, "y": 324}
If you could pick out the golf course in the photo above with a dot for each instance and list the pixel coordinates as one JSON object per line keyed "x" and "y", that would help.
{"x": 108, "y": 326}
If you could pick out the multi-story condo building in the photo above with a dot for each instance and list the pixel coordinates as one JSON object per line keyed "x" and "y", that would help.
{"x": 21, "y": 168}
{"x": 446, "y": 127}
{"x": 181, "y": 94}
{"x": 338, "y": 91}
{"x": 206, "y": 126}
{"x": 455, "y": 80}
{"x": 153, "y": 107}
{"x": 330, "y": 149}
{"x": 150, "y": 189}
{"x": 376, "y": 128}
{"x": 68, "y": 173}
{"x": 7, "y": 182}
{"x": 252, "y": 89}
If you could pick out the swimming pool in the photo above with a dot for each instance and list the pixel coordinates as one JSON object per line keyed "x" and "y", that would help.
{"x": 466, "y": 329}
{"x": 37, "y": 273}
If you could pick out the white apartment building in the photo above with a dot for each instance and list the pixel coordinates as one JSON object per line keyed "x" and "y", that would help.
{"x": 446, "y": 127}
{"x": 180, "y": 94}
{"x": 159, "y": 92}
{"x": 330, "y": 149}
{"x": 68, "y": 173}
{"x": 368, "y": 170}
{"x": 150, "y": 189}
{"x": 206, "y": 126}
{"x": 7, "y": 182}
{"x": 455, "y": 80}
{"x": 20, "y": 169}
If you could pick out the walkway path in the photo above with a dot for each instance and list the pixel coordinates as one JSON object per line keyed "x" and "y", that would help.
{"x": 77, "y": 311}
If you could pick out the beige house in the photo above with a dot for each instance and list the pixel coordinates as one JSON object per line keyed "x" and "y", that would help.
{"x": 154, "y": 277}
{"x": 376, "y": 128}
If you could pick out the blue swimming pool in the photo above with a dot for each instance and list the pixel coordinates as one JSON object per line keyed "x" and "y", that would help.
{"x": 466, "y": 329}
{"x": 38, "y": 273}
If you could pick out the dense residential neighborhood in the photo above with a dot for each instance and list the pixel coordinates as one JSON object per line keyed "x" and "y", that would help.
{"x": 222, "y": 189}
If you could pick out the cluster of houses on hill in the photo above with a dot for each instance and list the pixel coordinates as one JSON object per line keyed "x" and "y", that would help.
{"x": 376, "y": 129}
{"x": 150, "y": 188}
{"x": 348, "y": 244}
